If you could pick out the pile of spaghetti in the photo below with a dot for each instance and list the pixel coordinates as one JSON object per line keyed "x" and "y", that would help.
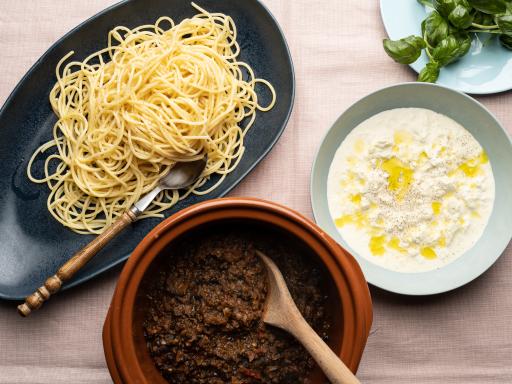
{"x": 156, "y": 95}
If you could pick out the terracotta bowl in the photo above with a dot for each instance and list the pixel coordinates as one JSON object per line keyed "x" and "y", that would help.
{"x": 350, "y": 309}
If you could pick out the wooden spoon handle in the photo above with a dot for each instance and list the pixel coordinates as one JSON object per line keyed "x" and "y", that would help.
{"x": 335, "y": 370}
{"x": 53, "y": 284}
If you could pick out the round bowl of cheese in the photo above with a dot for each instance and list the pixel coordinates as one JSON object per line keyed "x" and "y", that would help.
{"x": 414, "y": 181}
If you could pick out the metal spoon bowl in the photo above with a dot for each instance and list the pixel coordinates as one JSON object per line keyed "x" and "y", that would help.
{"x": 182, "y": 175}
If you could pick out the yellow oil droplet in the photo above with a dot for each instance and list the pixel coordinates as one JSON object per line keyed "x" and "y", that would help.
{"x": 359, "y": 146}
{"x": 362, "y": 181}
{"x": 483, "y": 158}
{"x": 359, "y": 219}
{"x": 423, "y": 157}
{"x": 428, "y": 253}
{"x": 356, "y": 199}
{"x": 471, "y": 168}
{"x": 436, "y": 207}
{"x": 377, "y": 245}
{"x": 442, "y": 241}
{"x": 461, "y": 220}
{"x": 343, "y": 220}
{"x": 475, "y": 214}
{"x": 447, "y": 195}
{"x": 400, "y": 176}
{"x": 442, "y": 150}
{"x": 394, "y": 243}
{"x": 380, "y": 221}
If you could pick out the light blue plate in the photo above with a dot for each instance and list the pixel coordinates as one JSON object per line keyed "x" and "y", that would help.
{"x": 489, "y": 133}
{"x": 487, "y": 68}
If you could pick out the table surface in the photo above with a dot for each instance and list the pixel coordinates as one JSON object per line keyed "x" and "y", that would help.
{"x": 460, "y": 337}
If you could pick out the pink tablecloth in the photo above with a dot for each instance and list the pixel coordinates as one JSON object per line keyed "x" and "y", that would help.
{"x": 461, "y": 337}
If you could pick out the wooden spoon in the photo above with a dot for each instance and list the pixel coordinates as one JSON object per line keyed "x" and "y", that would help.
{"x": 182, "y": 175}
{"x": 281, "y": 311}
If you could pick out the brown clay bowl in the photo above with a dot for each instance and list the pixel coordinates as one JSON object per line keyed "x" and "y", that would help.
{"x": 350, "y": 308}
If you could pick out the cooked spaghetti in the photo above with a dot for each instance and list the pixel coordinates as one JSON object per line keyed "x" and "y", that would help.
{"x": 156, "y": 95}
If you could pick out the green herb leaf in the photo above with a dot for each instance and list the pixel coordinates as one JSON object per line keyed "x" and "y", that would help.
{"x": 505, "y": 23}
{"x": 506, "y": 41}
{"x": 445, "y": 7}
{"x": 452, "y": 48}
{"x": 492, "y": 7}
{"x": 483, "y": 18}
{"x": 434, "y": 28}
{"x": 406, "y": 50}
{"x": 429, "y": 73}
{"x": 460, "y": 17}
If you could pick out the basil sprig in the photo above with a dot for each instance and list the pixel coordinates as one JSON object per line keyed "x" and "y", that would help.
{"x": 446, "y": 32}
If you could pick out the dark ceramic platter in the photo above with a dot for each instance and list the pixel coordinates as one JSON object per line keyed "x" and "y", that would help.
{"x": 32, "y": 244}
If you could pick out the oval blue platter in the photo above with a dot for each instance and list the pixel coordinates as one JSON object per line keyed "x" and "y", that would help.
{"x": 32, "y": 244}
{"x": 487, "y": 68}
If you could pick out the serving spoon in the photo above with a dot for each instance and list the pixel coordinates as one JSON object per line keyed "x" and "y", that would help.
{"x": 182, "y": 175}
{"x": 281, "y": 311}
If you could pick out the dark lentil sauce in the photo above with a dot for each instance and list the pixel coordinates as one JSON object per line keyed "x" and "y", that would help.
{"x": 204, "y": 325}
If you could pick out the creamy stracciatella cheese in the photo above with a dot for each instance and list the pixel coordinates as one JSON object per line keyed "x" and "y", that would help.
{"x": 410, "y": 189}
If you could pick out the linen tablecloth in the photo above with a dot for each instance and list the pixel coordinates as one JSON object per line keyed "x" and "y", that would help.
{"x": 460, "y": 337}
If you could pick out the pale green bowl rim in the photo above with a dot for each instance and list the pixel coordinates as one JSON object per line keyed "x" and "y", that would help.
{"x": 467, "y": 267}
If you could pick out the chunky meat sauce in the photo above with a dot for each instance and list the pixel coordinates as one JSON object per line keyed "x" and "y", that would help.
{"x": 204, "y": 317}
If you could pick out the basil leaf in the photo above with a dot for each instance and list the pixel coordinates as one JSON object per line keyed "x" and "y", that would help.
{"x": 460, "y": 17}
{"x": 429, "y": 73}
{"x": 406, "y": 50}
{"x": 445, "y": 7}
{"x": 434, "y": 28}
{"x": 506, "y": 41}
{"x": 505, "y": 23}
{"x": 483, "y": 18}
{"x": 452, "y": 48}
{"x": 492, "y": 7}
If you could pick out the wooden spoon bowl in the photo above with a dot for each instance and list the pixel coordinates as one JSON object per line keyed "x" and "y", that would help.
{"x": 281, "y": 311}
